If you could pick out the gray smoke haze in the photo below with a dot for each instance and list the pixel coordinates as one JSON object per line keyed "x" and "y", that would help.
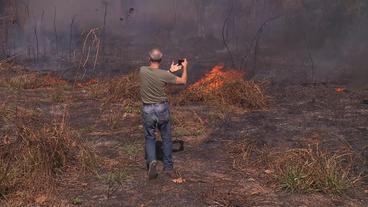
{"x": 282, "y": 40}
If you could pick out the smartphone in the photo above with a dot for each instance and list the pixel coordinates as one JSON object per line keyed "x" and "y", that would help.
{"x": 180, "y": 61}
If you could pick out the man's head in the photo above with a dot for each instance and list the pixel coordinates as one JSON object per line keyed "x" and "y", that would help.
{"x": 155, "y": 56}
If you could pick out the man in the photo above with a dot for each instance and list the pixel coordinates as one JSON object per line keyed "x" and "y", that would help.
{"x": 155, "y": 110}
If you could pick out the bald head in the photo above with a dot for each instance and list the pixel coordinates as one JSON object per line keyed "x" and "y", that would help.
{"x": 155, "y": 55}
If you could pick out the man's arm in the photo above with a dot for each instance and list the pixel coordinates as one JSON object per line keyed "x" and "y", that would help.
{"x": 184, "y": 77}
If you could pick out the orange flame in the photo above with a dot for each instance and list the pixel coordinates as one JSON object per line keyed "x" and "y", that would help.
{"x": 340, "y": 90}
{"x": 215, "y": 79}
{"x": 87, "y": 83}
{"x": 51, "y": 80}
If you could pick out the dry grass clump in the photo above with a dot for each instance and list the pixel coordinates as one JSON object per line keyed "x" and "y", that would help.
{"x": 226, "y": 88}
{"x": 34, "y": 80}
{"x": 4, "y": 65}
{"x": 34, "y": 153}
{"x": 216, "y": 197}
{"x": 122, "y": 89}
{"x": 16, "y": 76}
{"x": 25, "y": 81}
{"x": 247, "y": 153}
{"x": 313, "y": 170}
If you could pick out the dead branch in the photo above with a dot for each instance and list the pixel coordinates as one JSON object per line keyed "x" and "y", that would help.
{"x": 71, "y": 38}
{"x": 91, "y": 43}
{"x": 55, "y": 32}
{"x": 36, "y": 38}
{"x": 255, "y": 42}
{"x": 224, "y": 29}
{"x": 94, "y": 40}
{"x": 104, "y": 32}
{"x": 308, "y": 48}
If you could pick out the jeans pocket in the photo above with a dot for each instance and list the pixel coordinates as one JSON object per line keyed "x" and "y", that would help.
{"x": 164, "y": 115}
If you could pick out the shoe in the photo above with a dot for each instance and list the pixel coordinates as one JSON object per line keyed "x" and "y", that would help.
{"x": 152, "y": 172}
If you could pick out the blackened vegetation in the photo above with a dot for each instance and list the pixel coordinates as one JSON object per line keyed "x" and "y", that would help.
{"x": 309, "y": 140}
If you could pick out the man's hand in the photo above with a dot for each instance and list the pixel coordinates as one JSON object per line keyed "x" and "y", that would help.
{"x": 184, "y": 77}
{"x": 185, "y": 63}
{"x": 175, "y": 67}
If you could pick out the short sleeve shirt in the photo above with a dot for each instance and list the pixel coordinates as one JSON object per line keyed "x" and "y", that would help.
{"x": 152, "y": 84}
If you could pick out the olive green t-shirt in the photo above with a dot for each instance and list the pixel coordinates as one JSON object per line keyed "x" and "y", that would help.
{"x": 152, "y": 84}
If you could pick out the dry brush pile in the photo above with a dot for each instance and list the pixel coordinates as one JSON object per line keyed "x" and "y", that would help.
{"x": 219, "y": 87}
{"x": 35, "y": 153}
{"x": 122, "y": 89}
{"x": 14, "y": 76}
{"x": 226, "y": 88}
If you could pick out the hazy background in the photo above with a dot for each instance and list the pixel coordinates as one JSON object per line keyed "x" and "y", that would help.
{"x": 282, "y": 40}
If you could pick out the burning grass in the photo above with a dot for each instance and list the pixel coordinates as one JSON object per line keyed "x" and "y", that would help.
{"x": 34, "y": 153}
{"x": 226, "y": 88}
{"x": 219, "y": 87}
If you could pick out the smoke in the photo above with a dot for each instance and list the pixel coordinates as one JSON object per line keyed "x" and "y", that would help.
{"x": 298, "y": 41}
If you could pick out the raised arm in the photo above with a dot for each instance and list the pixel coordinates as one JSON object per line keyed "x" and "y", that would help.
{"x": 184, "y": 77}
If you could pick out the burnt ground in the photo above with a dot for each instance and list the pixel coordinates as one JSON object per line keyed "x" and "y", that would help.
{"x": 298, "y": 116}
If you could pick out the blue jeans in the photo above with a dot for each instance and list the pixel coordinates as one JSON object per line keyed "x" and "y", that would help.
{"x": 157, "y": 116}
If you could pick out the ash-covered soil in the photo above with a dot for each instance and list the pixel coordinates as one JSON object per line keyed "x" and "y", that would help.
{"x": 298, "y": 116}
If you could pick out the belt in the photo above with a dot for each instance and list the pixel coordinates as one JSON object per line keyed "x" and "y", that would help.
{"x": 150, "y": 104}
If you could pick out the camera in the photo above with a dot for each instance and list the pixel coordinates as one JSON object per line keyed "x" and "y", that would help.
{"x": 180, "y": 62}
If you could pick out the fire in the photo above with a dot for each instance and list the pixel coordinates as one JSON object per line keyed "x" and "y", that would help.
{"x": 340, "y": 90}
{"x": 87, "y": 83}
{"x": 215, "y": 79}
{"x": 51, "y": 80}
{"x": 225, "y": 88}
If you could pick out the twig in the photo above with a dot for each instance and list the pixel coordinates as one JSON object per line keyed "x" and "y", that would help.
{"x": 96, "y": 43}
{"x": 198, "y": 117}
{"x": 90, "y": 41}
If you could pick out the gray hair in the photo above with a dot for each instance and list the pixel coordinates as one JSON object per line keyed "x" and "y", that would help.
{"x": 155, "y": 55}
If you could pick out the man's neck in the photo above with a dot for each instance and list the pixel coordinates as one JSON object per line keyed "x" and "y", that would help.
{"x": 154, "y": 66}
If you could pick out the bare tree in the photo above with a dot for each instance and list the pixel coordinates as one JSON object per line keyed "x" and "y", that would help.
{"x": 55, "y": 33}
{"x": 225, "y": 31}
{"x": 105, "y": 3}
{"x": 254, "y": 46}
{"x": 71, "y": 38}
{"x": 36, "y": 39}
